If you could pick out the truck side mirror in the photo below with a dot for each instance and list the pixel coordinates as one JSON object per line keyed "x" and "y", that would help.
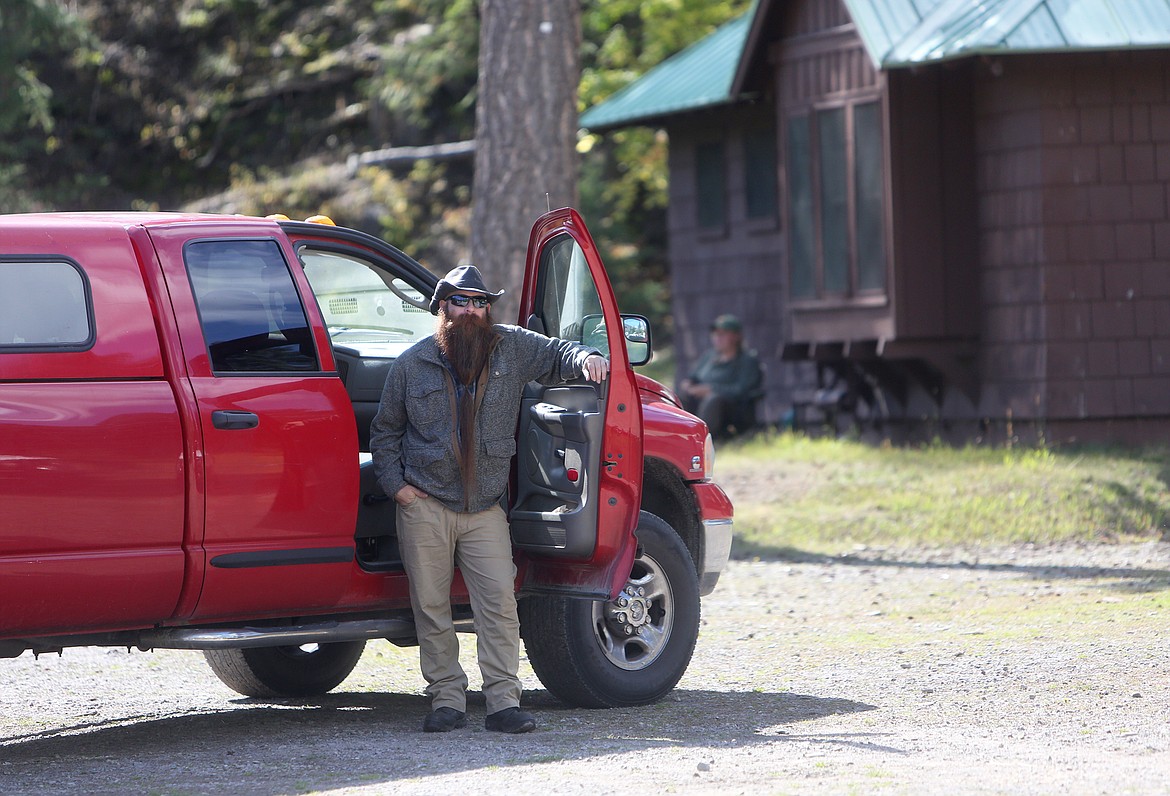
{"x": 636, "y": 330}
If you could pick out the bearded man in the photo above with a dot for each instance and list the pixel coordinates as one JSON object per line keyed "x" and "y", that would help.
{"x": 442, "y": 443}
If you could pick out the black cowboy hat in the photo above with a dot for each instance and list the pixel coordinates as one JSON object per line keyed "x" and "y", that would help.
{"x": 459, "y": 279}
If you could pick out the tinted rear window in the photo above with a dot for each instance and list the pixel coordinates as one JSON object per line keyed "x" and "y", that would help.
{"x": 249, "y": 306}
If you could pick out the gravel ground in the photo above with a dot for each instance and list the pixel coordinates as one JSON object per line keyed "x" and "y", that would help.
{"x": 983, "y": 671}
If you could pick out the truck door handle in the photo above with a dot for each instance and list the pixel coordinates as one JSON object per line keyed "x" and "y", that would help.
{"x": 232, "y": 420}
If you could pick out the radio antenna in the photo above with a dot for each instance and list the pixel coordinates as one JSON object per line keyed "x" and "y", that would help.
{"x": 547, "y": 202}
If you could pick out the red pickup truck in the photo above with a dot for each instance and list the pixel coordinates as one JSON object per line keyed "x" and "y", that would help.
{"x": 185, "y": 403}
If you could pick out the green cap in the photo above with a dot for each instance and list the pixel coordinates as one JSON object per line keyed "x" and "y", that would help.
{"x": 728, "y": 323}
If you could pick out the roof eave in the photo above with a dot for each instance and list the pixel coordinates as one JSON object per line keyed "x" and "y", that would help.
{"x": 655, "y": 119}
{"x": 747, "y": 58}
{"x": 996, "y": 51}
{"x": 698, "y": 76}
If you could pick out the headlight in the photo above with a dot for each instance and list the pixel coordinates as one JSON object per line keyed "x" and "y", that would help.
{"x": 708, "y": 459}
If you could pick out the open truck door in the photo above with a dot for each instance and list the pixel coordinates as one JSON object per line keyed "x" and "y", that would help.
{"x": 610, "y": 600}
{"x": 579, "y": 460}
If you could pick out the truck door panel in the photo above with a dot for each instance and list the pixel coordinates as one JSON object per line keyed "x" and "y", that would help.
{"x": 276, "y": 427}
{"x": 558, "y": 455}
{"x": 377, "y": 531}
{"x": 110, "y": 553}
{"x": 364, "y": 378}
{"x": 92, "y": 462}
{"x": 579, "y": 467}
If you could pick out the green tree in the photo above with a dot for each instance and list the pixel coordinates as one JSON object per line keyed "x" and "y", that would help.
{"x": 28, "y": 27}
{"x": 425, "y": 92}
{"x": 174, "y": 97}
{"x": 116, "y": 103}
{"x": 623, "y": 39}
{"x": 624, "y": 173}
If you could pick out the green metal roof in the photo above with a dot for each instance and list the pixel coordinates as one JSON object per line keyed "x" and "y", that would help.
{"x": 896, "y": 33}
{"x": 908, "y": 32}
{"x": 697, "y": 77}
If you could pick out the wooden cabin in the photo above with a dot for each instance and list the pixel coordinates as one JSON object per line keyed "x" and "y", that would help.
{"x": 940, "y": 216}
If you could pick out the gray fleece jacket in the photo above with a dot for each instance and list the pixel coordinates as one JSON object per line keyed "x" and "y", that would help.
{"x": 413, "y": 436}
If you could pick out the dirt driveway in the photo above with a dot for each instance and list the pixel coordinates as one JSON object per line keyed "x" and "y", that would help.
{"x": 998, "y": 671}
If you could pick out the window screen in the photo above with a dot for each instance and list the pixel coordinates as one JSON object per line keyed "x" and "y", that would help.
{"x": 871, "y": 249}
{"x": 760, "y": 173}
{"x": 710, "y": 184}
{"x": 44, "y": 305}
{"x": 365, "y": 306}
{"x": 834, "y": 200}
{"x": 800, "y": 210}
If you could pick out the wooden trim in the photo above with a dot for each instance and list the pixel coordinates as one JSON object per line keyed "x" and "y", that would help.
{"x": 714, "y": 233}
{"x": 764, "y": 224}
{"x": 927, "y": 348}
{"x": 819, "y": 43}
{"x": 838, "y": 302}
{"x": 882, "y": 348}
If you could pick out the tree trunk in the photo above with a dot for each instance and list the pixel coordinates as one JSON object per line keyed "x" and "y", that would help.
{"x": 525, "y": 132}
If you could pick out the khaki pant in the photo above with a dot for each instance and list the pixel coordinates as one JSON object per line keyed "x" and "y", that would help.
{"x": 433, "y": 539}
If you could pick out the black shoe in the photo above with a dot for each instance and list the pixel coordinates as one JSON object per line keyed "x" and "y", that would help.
{"x": 513, "y": 720}
{"x": 444, "y": 720}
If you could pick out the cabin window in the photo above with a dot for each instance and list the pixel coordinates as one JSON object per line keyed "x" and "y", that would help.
{"x": 759, "y": 150}
{"x": 836, "y": 202}
{"x": 710, "y": 182}
{"x": 870, "y": 192}
{"x": 800, "y": 212}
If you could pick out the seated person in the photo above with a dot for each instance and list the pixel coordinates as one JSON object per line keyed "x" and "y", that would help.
{"x": 724, "y": 385}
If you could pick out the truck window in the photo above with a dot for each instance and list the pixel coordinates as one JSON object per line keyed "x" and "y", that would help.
{"x": 365, "y": 308}
{"x": 251, "y": 312}
{"x": 44, "y": 305}
{"x": 568, "y": 302}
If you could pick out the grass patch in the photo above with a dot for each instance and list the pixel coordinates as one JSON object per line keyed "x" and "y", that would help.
{"x": 823, "y": 495}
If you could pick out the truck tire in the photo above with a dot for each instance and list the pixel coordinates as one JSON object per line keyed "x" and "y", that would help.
{"x": 308, "y": 670}
{"x": 628, "y": 651}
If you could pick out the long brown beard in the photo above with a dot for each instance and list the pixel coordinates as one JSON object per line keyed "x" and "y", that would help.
{"x": 467, "y": 343}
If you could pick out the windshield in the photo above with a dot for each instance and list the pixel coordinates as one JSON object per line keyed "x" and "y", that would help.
{"x": 365, "y": 308}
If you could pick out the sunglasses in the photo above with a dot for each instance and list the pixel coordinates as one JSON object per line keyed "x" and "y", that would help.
{"x": 479, "y": 302}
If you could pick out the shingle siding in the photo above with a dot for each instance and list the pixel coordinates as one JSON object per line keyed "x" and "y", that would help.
{"x": 737, "y": 270}
{"x": 1098, "y": 126}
